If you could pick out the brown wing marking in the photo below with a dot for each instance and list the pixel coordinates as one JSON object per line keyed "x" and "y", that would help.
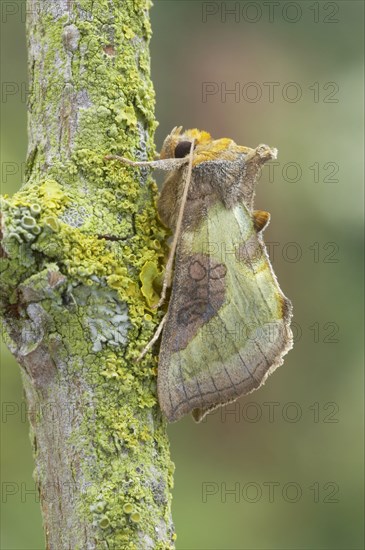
{"x": 201, "y": 293}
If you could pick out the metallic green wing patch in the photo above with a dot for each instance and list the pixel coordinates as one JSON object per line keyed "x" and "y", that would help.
{"x": 227, "y": 326}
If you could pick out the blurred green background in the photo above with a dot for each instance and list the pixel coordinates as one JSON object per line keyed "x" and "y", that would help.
{"x": 283, "y": 468}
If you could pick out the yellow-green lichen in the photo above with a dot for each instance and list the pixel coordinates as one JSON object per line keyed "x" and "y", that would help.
{"x": 151, "y": 279}
{"x": 104, "y": 522}
{"x": 51, "y": 222}
{"x": 53, "y": 194}
{"x": 135, "y": 517}
{"x": 128, "y": 508}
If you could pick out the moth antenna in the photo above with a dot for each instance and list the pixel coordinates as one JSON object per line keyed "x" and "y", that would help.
{"x": 130, "y": 162}
{"x": 153, "y": 339}
{"x": 170, "y": 261}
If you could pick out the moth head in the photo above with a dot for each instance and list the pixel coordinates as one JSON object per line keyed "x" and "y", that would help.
{"x": 178, "y": 143}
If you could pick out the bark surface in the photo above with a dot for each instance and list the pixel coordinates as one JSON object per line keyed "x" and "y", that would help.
{"x": 81, "y": 251}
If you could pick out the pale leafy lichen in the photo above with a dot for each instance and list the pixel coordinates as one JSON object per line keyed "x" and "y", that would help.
{"x": 103, "y": 314}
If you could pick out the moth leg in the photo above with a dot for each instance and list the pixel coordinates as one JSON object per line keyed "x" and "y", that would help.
{"x": 167, "y": 276}
{"x": 154, "y": 339}
{"x": 161, "y": 164}
{"x": 170, "y": 261}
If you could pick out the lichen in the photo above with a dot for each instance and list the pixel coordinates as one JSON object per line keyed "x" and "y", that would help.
{"x": 151, "y": 278}
{"x": 103, "y": 314}
{"x": 128, "y": 508}
{"x": 135, "y": 517}
{"x": 22, "y": 225}
{"x": 75, "y": 216}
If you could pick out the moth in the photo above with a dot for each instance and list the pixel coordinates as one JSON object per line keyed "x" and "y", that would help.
{"x": 227, "y": 325}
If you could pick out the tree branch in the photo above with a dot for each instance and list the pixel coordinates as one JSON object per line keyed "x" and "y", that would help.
{"x": 81, "y": 249}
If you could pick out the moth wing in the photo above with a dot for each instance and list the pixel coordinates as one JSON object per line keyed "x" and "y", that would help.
{"x": 227, "y": 325}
